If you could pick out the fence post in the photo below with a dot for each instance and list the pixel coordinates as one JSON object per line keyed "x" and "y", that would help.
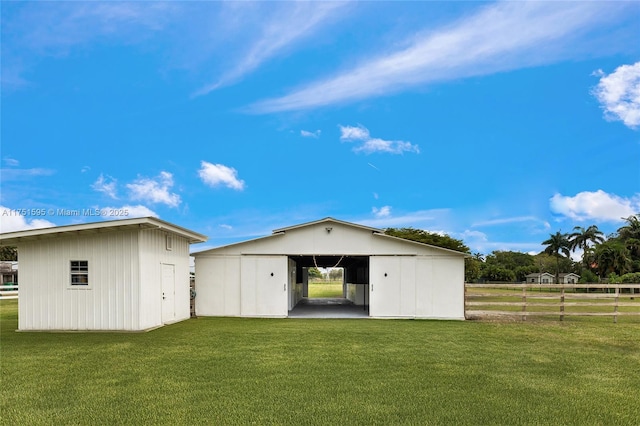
{"x": 615, "y": 307}
{"x": 562, "y": 304}
{"x": 524, "y": 302}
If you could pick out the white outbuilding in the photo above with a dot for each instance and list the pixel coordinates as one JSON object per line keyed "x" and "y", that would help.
{"x": 392, "y": 277}
{"x": 130, "y": 274}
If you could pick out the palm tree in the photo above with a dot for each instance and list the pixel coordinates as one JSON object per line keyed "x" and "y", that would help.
{"x": 582, "y": 238}
{"x": 631, "y": 229}
{"x": 612, "y": 256}
{"x": 558, "y": 243}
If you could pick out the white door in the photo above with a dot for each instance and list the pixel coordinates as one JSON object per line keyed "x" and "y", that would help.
{"x": 168, "y": 292}
{"x": 384, "y": 286}
{"x": 392, "y": 286}
{"x": 264, "y": 286}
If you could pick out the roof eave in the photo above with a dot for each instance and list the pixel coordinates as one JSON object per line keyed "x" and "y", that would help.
{"x": 13, "y": 238}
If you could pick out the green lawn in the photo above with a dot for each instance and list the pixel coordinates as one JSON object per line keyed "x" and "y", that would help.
{"x": 325, "y": 289}
{"x": 338, "y": 372}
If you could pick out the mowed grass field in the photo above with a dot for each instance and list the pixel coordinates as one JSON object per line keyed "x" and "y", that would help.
{"x": 323, "y": 372}
{"x": 576, "y": 302}
{"x": 325, "y": 289}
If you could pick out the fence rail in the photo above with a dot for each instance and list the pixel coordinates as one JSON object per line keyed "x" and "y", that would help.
{"x": 528, "y": 300}
{"x": 8, "y": 291}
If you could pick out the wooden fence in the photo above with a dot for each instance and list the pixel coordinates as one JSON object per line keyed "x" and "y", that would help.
{"x": 551, "y": 300}
{"x": 8, "y": 292}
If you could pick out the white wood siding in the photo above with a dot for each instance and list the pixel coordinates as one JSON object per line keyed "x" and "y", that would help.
{"x": 110, "y": 302}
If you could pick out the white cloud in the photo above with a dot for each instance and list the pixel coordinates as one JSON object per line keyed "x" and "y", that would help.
{"x": 391, "y": 147}
{"x": 354, "y": 133}
{"x": 506, "y": 220}
{"x": 370, "y": 145}
{"x": 129, "y": 211}
{"x": 85, "y": 169}
{"x": 381, "y": 212}
{"x": 10, "y": 221}
{"x": 12, "y": 162}
{"x": 417, "y": 219}
{"x": 20, "y": 174}
{"x": 219, "y": 174}
{"x": 278, "y": 28}
{"x": 475, "y": 236}
{"x": 106, "y": 185}
{"x": 225, "y": 226}
{"x": 619, "y": 94}
{"x": 500, "y": 37}
{"x": 155, "y": 191}
{"x": 307, "y": 134}
{"x": 597, "y": 205}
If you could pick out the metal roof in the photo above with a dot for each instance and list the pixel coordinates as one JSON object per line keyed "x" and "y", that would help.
{"x": 12, "y": 238}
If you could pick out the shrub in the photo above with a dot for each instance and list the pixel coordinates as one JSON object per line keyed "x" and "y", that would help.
{"x": 587, "y": 276}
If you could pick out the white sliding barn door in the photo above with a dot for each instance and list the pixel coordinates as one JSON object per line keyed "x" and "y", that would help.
{"x": 264, "y": 286}
{"x": 392, "y": 286}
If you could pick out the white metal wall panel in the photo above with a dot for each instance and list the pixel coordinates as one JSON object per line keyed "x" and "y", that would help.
{"x": 218, "y": 286}
{"x": 407, "y": 286}
{"x": 342, "y": 239}
{"x": 263, "y": 286}
{"x": 448, "y": 288}
{"x": 424, "y": 287}
{"x": 154, "y": 253}
{"x": 48, "y": 302}
{"x": 291, "y": 284}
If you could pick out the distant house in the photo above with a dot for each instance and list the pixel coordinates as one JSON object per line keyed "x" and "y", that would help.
{"x": 541, "y": 278}
{"x": 9, "y": 272}
{"x": 547, "y": 278}
{"x": 569, "y": 278}
{"x": 130, "y": 274}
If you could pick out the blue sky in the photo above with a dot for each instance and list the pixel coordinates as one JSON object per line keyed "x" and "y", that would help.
{"x": 496, "y": 123}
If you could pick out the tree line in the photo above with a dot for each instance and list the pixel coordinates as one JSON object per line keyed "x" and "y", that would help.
{"x": 614, "y": 258}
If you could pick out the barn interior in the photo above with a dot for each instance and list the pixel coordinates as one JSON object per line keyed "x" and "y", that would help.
{"x": 355, "y": 287}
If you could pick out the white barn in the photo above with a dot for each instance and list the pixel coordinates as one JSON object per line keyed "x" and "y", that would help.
{"x": 130, "y": 274}
{"x": 267, "y": 277}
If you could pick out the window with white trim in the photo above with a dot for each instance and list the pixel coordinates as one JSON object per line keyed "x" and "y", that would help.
{"x": 169, "y": 242}
{"x": 79, "y": 272}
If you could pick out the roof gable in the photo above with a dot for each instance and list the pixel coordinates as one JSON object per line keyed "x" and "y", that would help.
{"x": 329, "y": 236}
{"x": 327, "y": 221}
